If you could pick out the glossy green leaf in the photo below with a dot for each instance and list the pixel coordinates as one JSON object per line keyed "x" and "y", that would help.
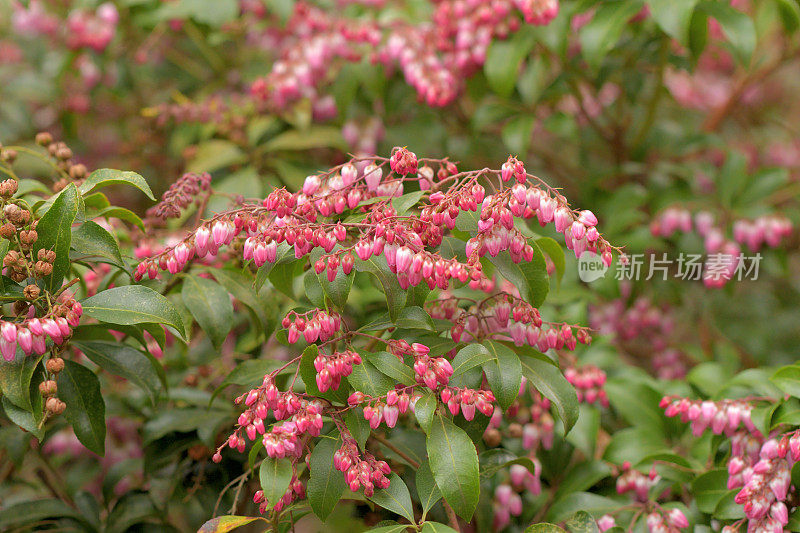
{"x": 549, "y": 380}
{"x": 241, "y": 287}
{"x": 581, "y": 522}
{"x": 601, "y": 33}
{"x": 469, "y": 357}
{"x": 674, "y": 17}
{"x": 368, "y": 379}
{"x": 55, "y": 233}
{"x": 210, "y": 306}
{"x": 395, "y": 296}
{"x": 544, "y": 527}
{"x": 92, "y": 242}
{"x": 392, "y": 366}
{"x": 395, "y": 498}
{"x": 503, "y": 59}
{"x": 424, "y": 410}
{"x": 709, "y": 488}
{"x": 120, "y": 213}
{"x": 530, "y": 277}
{"x": 104, "y": 177}
{"x": 15, "y": 379}
{"x": 454, "y": 463}
{"x": 79, "y": 388}
{"x": 787, "y": 379}
{"x": 275, "y": 475}
{"x": 326, "y": 484}
{"x": 436, "y": 527}
{"x": 427, "y": 490}
{"x": 27, "y": 419}
{"x": 503, "y": 372}
{"x": 124, "y": 361}
{"x": 132, "y": 304}
{"x": 737, "y": 26}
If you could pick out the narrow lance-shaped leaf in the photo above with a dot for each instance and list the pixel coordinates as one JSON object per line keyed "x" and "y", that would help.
{"x": 275, "y": 476}
{"x": 79, "y": 388}
{"x": 210, "y": 306}
{"x": 454, "y": 463}
{"x": 55, "y": 233}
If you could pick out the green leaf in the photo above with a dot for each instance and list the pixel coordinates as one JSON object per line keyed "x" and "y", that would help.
{"x": 727, "y": 508}
{"x": 28, "y": 420}
{"x": 517, "y": 134}
{"x": 530, "y": 277}
{"x": 314, "y": 137}
{"x": 469, "y": 357}
{"x": 738, "y": 28}
{"x": 698, "y": 32}
{"x": 122, "y": 214}
{"x": 395, "y": 296}
{"x": 424, "y": 410}
{"x": 392, "y": 366}
{"x": 223, "y": 524}
{"x": 503, "y": 59}
{"x": 30, "y": 512}
{"x": 124, "y": 361}
{"x": 600, "y": 35}
{"x": 104, "y": 177}
{"x": 250, "y": 373}
{"x": 583, "y": 477}
{"x": 556, "y": 254}
{"x": 55, "y": 234}
{"x": 94, "y": 243}
{"x": 637, "y": 403}
{"x": 368, "y": 379}
{"x": 565, "y": 507}
{"x": 395, "y": 498}
{"x": 709, "y": 488}
{"x": 79, "y": 388}
{"x": 790, "y": 14}
{"x": 549, "y": 380}
{"x": 634, "y": 444}
{"x": 544, "y": 527}
{"x": 407, "y": 201}
{"x": 674, "y": 17}
{"x": 15, "y": 379}
{"x": 325, "y": 484}
{"x": 210, "y": 306}
{"x": 241, "y": 287}
{"x": 503, "y": 372}
{"x": 133, "y": 304}
{"x": 436, "y": 527}
{"x": 787, "y": 379}
{"x": 275, "y": 476}
{"x": 427, "y": 490}
{"x": 182, "y": 421}
{"x": 581, "y": 522}
{"x": 454, "y": 463}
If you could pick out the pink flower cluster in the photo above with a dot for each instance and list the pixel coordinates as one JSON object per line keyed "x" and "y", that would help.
{"x": 33, "y": 21}
{"x": 31, "y": 334}
{"x": 723, "y": 417}
{"x": 588, "y": 382}
{"x": 631, "y": 480}
{"x": 368, "y": 472}
{"x": 92, "y": 30}
{"x": 671, "y": 521}
{"x": 296, "y": 491}
{"x": 188, "y": 189}
{"x": 293, "y": 219}
{"x": 507, "y": 503}
{"x": 332, "y": 368}
{"x": 315, "y": 325}
{"x": 767, "y": 485}
{"x": 435, "y": 56}
{"x": 642, "y": 329}
{"x": 387, "y": 410}
{"x": 724, "y": 258}
{"x": 301, "y": 417}
{"x": 467, "y": 400}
